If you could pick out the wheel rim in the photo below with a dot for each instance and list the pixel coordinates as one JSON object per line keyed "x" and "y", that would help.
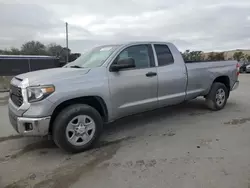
{"x": 220, "y": 97}
{"x": 80, "y": 130}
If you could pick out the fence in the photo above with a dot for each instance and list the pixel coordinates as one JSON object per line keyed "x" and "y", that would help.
{"x": 14, "y": 65}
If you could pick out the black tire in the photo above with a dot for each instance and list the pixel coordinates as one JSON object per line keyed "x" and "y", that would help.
{"x": 62, "y": 120}
{"x": 211, "y": 97}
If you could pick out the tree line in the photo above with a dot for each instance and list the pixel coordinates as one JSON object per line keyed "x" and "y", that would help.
{"x": 213, "y": 56}
{"x": 53, "y": 49}
{"x": 38, "y": 48}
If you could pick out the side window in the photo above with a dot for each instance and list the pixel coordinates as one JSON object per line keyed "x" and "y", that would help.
{"x": 140, "y": 53}
{"x": 164, "y": 55}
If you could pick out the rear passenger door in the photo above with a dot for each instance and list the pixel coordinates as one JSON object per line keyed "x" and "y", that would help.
{"x": 172, "y": 78}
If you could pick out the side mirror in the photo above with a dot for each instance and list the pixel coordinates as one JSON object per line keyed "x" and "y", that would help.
{"x": 123, "y": 64}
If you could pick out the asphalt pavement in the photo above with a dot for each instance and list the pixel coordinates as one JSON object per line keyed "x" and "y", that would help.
{"x": 182, "y": 146}
{"x": 5, "y": 129}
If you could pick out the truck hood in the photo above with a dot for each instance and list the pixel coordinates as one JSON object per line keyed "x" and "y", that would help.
{"x": 50, "y": 76}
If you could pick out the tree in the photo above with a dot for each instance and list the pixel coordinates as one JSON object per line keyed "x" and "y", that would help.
{"x": 193, "y": 55}
{"x": 12, "y": 51}
{"x": 211, "y": 56}
{"x": 33, "y": 48}
{"x": 245, "y": 58}
{"x": 15, "y": 51}
{"x": 216, "y": 56}
{"x": 54, "y": 49}
{"x": 38, "y": 48}
{"x": 5, "y": 52}
{"x": 63, "y": 54}
{"x": 238, "y": 56}
{"x": 219, "y": 56}
{"x": 196, "y": 56}
{"x": 248, "y": 58}
{"x": 74, "y": 56}
{"x": 185, "y": 55}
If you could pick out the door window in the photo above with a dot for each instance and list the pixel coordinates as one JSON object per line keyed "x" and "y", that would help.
{"x": 142, "y": 54}
{"x": 164, "y": 55}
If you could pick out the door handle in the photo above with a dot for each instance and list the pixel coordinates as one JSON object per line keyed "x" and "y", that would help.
{"x": 151, "y": 74}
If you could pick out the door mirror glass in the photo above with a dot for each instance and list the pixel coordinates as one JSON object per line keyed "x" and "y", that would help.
{"x": 123, "y": 64}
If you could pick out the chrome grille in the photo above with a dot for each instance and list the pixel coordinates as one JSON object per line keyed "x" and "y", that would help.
{"x": 16, "y": 95}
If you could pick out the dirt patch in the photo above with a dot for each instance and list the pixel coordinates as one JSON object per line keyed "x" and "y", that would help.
{"x": 171, "y": 133}
{"x": 108, "y": 143}
{"x": 200, "y": 113}
{"x": 47, "y": 144}
{"x": 206, "y": 143}
{"x": 237, "y": 121}
{"x": 146, "y": 164}
{"x": 2, "y": 139}
{"x": 65, "y": 176}
{"x": 21, "y": 184}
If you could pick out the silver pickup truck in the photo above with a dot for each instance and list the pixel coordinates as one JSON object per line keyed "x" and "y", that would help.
{"x": 109, "y": 82}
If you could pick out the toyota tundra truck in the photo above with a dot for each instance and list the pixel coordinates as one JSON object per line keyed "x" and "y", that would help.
{"x": 72, "y": 103}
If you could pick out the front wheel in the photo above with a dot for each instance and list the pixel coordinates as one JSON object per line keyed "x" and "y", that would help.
{"x": 77, "y": 128}
{"x": 217, "y": 97}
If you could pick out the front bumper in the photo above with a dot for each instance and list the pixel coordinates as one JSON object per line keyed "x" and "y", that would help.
{"x": 33, "y": 120}
{"x": 236, "y": 85}
{"x": 30, "y": 126}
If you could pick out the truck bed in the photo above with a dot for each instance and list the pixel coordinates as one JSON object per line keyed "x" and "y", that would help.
{"x": 202, "y": 74}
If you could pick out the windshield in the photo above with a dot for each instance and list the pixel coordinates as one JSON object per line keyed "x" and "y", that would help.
{"x": 94, "y": 57}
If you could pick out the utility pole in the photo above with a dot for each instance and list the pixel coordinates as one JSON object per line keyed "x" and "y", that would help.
{"x": 67, "y": 43}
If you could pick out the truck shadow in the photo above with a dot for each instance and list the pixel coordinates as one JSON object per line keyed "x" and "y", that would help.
{"x": 191, "y": 108}
{"x": 154, "y": 119}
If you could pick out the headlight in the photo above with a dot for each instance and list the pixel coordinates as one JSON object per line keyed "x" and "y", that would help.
{"x": 38, "y": 93}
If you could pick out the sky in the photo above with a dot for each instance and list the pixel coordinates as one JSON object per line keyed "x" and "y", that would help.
{"x": 207, "y": 25}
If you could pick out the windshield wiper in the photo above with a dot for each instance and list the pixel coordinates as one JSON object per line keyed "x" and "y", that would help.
{"x": 75, "y": 66}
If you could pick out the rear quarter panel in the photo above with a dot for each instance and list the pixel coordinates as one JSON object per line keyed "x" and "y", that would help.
{"x": 201, "y": 75}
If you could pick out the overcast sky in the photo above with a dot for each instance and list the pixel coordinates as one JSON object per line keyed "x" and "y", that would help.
{"x": 190, "y": 24}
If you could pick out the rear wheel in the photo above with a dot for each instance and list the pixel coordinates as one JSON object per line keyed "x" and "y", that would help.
{"x": 77, "y": 128}
{"x": 217, "y": 97}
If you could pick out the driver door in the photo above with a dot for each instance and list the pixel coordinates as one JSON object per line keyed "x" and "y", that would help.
{"x": 134, "y": 90}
